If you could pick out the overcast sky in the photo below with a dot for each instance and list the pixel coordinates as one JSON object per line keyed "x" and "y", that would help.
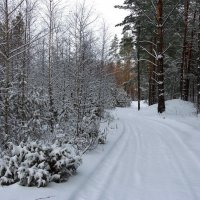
{"x": 111, "y": 15}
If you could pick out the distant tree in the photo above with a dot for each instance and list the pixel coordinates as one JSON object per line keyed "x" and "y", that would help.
{"x": 114, "y": 49}
{"x": 126, "y": 53}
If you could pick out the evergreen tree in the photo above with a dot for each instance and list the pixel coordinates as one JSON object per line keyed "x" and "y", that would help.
{"x": 161, "y": 39}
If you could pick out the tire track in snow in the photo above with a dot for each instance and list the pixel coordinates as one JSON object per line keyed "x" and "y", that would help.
{"x": 181, "y": 170}
{"x": 138, "y": 142}
{"x": 174, "y": 130}
{"x": 178, "y": 165}
{"x": 127, "y": 165}
{"x": 79, "y": 193}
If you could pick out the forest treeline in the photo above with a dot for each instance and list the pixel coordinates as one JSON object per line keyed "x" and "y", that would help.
{"x": 167, "y": 44}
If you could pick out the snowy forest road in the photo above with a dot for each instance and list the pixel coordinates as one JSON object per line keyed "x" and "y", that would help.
{"x": 154, "y": 159}
{"x": 147, "y": 157}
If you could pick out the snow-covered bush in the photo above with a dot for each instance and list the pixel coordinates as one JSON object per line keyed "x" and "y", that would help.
{"x": 35, "y": 164}
{"x": 89, "y": 131}
{"x": 121, "y": 99}
{"x": 28, "y": 118}
{"x": 33, "y": 176}
{"x": 102, "y": 138}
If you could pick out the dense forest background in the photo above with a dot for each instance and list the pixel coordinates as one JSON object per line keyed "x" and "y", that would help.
{"x": 53, "y": 69}
{"x": 55, "y": 84}
{"x": 167, "y": 43}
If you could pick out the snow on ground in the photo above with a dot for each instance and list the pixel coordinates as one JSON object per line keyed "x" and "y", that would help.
{"x": 134, "y": 104}
{"x": 147, "y": 157}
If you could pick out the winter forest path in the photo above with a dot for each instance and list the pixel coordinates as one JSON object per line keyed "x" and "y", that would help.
{"x": 147, "y": 157}
{"x": 155, "y": 158}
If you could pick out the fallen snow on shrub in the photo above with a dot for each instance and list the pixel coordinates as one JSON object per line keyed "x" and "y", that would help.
{"x": 36, "y": 164}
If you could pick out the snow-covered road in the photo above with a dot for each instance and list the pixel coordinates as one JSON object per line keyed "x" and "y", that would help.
{"x": 152, "y": 160}
{"x": 148, "y": 157}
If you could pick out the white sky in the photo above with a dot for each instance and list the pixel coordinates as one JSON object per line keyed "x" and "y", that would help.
{"x": 111, "y": 15}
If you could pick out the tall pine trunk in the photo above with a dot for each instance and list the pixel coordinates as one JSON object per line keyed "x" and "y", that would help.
{"x": 138, "y": 65}
{"x": 152, "y": 78}
{"x": 189, "y": 60}
{"x": 160, "y": 57}
{"x": 198, "y": 68}
{"x": 184, "y": 64}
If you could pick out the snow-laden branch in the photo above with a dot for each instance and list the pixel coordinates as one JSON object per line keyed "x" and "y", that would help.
{"x": 155, "y": 53}
{"x": 157, "y": 74}
{"x": 167, "y": 48}
{"x": 154, "y": 80}
{"x": 3, "y": 54}
{"x": 10, "y": 13}
{"x": 153, "y": 5}
{"x": 150, "y": 20}
{"x": 147, "y": 51}
{"x": 170, "y": 13}
{"x": 146, "y": 41}
{"x": 2, "y": 43}
{"x": 25, "y": 48}
{"x": 147, "y": 61}
{"x": 36, "y": 38}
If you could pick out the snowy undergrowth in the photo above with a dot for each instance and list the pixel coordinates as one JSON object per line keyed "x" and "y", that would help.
{"x": 36, "y": 164}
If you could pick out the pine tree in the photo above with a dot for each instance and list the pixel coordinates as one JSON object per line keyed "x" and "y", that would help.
{"x": 160, "y": 39}
{"x": 126, "y": 53}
